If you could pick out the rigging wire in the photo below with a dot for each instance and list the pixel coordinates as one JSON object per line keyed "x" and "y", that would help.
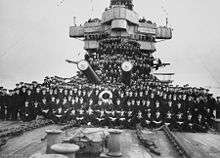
{"x": 92, "y": 8}
{"x": 165, "y": 11}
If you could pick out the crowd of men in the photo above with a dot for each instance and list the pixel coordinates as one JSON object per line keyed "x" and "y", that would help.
{"x": 127, "y": 3}
{"x": 152, "y": 104}
{"x": 113, "y": 51}
{"x": 145, "y": 100}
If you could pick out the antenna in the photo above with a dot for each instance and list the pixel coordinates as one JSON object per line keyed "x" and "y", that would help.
{"x": 74, "y": 21}
{"x": 92, "y": 8}
{"x": 165, "y": 11}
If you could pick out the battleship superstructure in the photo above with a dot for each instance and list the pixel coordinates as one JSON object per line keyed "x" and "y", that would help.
{"x": 115, "y": 87}
{"x": 122, "y": 40}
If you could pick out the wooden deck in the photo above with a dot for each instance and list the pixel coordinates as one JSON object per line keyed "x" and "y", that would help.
{"x": 30, "y": 142}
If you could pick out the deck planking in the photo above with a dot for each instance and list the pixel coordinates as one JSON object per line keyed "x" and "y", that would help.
{"x": 30, "y": 142}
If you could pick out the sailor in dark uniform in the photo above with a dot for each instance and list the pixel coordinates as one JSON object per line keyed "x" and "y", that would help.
{"x": 157, "y": 120}
{"x": 60, "y": 93}
{"x": 169, "y": 120}
{"x": 101, "y": 117}
{"x": 37, "y": 95}
{"x": 3, "y": 105}
{"x": 147, "y": 120}
{"x": 72, "y": 115}
{"x": 65, "y": 93}
{"x": 129, "y": 116}
{"x": 121, "y": 118}
{"x": 179, "y": 108}
{"x": 90, "y": 117}
{"x": 52, "y": 102}
{"x": 189, "y": 104}
{"x": 112, "y": 119}
{"x": 200, "y": 124}
{"x": 29, "y": 96}
{"x": 66, "y": 110}
{"x": 140, "y": 118}
{"x": 80, "y": 117}
{"x": 57, "y": 111}
{"x": 148, "y": 107}
{"x": 189, "y": 123}
{"x": 26, "y": 112}
{"x": 156, "y": 107}
{"x": 18, "y": 104}
{"x": 44, "y": 93}
{"x": 45, "y": 108}
{"x": 179, "y": 124}
{"x": 218, "y": 108}
{"x": 10, "y": 104}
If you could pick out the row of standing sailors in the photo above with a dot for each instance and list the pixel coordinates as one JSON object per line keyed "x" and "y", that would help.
{"x": 61, "y": 108}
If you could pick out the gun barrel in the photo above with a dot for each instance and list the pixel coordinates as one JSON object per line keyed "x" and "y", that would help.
{"x": 85, "y": 67}
{"x": 126, "y": 72}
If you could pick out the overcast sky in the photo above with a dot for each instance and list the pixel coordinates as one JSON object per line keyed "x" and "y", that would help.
{"x": 34, "y": 40}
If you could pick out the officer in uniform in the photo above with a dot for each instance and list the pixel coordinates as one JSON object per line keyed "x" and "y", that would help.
{"x": 218, "y": 108}
{"x": 157, "y": 120}
{"x": 179, "y": 125}
{"x": 72, "y": 115}
{"x": 80, "y": 116}
{"x": 10, "y": 102}
{"x": 2, "y": 104}
{"x": 147, "y": 120}
{"x": 200, "y": 124}
{"x": 156, "y": 107}
{"x": 45, "y": 109}
{"x": 189, "y": 123}
{"x": 112, "y": 119}
{"x": 26, "y": 112}
{"x": 169, "y": 120}
{"x": 121, "y": 118}
{"x": 57, "y": 111}
{"x": 18, "y": 104}
{"x": 90, "y": 117}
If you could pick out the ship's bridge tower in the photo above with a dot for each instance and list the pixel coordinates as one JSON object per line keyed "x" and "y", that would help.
{"x": 120, "y": 20}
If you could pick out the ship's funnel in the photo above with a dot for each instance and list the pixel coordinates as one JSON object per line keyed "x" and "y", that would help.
{"x": 126, "y": 72}
{"x": 85, "y": 67}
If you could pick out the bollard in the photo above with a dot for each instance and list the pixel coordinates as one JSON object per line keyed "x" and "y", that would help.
{"x": 38, "y": 155}
{"x": 52, "y": 138}
{"x": 66, "y": 149}
{"x": 114, "y": 143}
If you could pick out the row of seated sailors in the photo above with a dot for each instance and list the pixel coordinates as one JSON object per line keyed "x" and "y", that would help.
{"x": 136, "y": 37}
{"x": 129, "y": 54}
{"x": 119, "y": 40}
{"x": 135, "y": 55}
{"x": 117, "y": 47}
{"x": 121, "y": 2}
{"x": 95, "y": 36}
{"x": 140, "y": 68}
{"x": 115, "y": 76}
{"x": 129, "y": 117}
{"x": 119, "y": 58}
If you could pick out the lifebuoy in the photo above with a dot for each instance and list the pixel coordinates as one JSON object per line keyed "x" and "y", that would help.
{"x": 106, "y": 96}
